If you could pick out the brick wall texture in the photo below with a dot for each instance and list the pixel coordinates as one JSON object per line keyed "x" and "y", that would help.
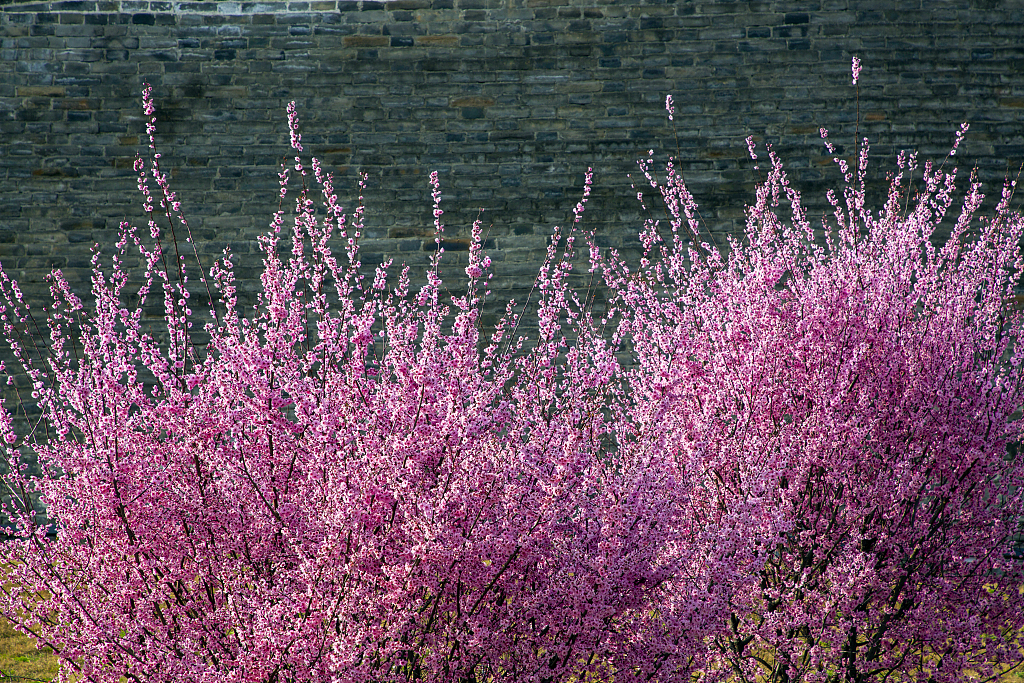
{"x": 509, "y": 100}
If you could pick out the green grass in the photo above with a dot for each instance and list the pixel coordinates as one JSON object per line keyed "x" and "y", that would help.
{"x": 19, "y": 658}
{"x": 21, "y": 661}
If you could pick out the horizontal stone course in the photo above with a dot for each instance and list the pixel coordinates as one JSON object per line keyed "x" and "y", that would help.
{"x": 509, "y": 100}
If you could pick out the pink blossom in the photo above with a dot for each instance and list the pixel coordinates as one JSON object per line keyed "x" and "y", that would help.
{"x": 809, "y": 379}
{"x": 783, "y": 461}
{"x": 959, "y": 137}
{"x": 353, "y": 485}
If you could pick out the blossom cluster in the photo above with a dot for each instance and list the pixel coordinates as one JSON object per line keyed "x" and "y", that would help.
{"x": 782, "y": 461}
{"x": 858, "y": 388}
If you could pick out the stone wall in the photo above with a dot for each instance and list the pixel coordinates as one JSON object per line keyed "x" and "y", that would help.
{"x": 509, "y": 100}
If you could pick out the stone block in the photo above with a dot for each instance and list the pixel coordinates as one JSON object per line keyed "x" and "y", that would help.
{"x": 40, "y": 91}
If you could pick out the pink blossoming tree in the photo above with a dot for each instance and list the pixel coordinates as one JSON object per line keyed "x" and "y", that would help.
{"x": 362, "y": 490}
{"x": 800, "y": 474}
{"x": 858, "y": 387}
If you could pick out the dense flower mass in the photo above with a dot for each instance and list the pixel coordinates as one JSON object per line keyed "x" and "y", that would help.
{"x": 860, "y": 391}
{"x": 783, "y": 461}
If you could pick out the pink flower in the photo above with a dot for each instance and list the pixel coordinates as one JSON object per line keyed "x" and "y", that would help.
{"x": 759, "y": 454}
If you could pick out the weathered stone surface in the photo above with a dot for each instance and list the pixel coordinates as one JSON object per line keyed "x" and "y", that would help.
{"x": 509, "y": 100}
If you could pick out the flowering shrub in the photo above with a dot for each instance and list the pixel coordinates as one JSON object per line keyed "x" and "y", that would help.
{"x": 801, "y": 474}
{"x": 857, "y": 386}
{"x": 355, "y": 491}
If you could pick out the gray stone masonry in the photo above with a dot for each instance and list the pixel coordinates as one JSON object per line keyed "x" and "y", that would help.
{"x": 509, "y": 100}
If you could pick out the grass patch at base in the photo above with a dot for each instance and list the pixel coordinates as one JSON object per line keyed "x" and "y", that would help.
{"x": 21, "y": 661}
{"x": 19, "y": 658}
